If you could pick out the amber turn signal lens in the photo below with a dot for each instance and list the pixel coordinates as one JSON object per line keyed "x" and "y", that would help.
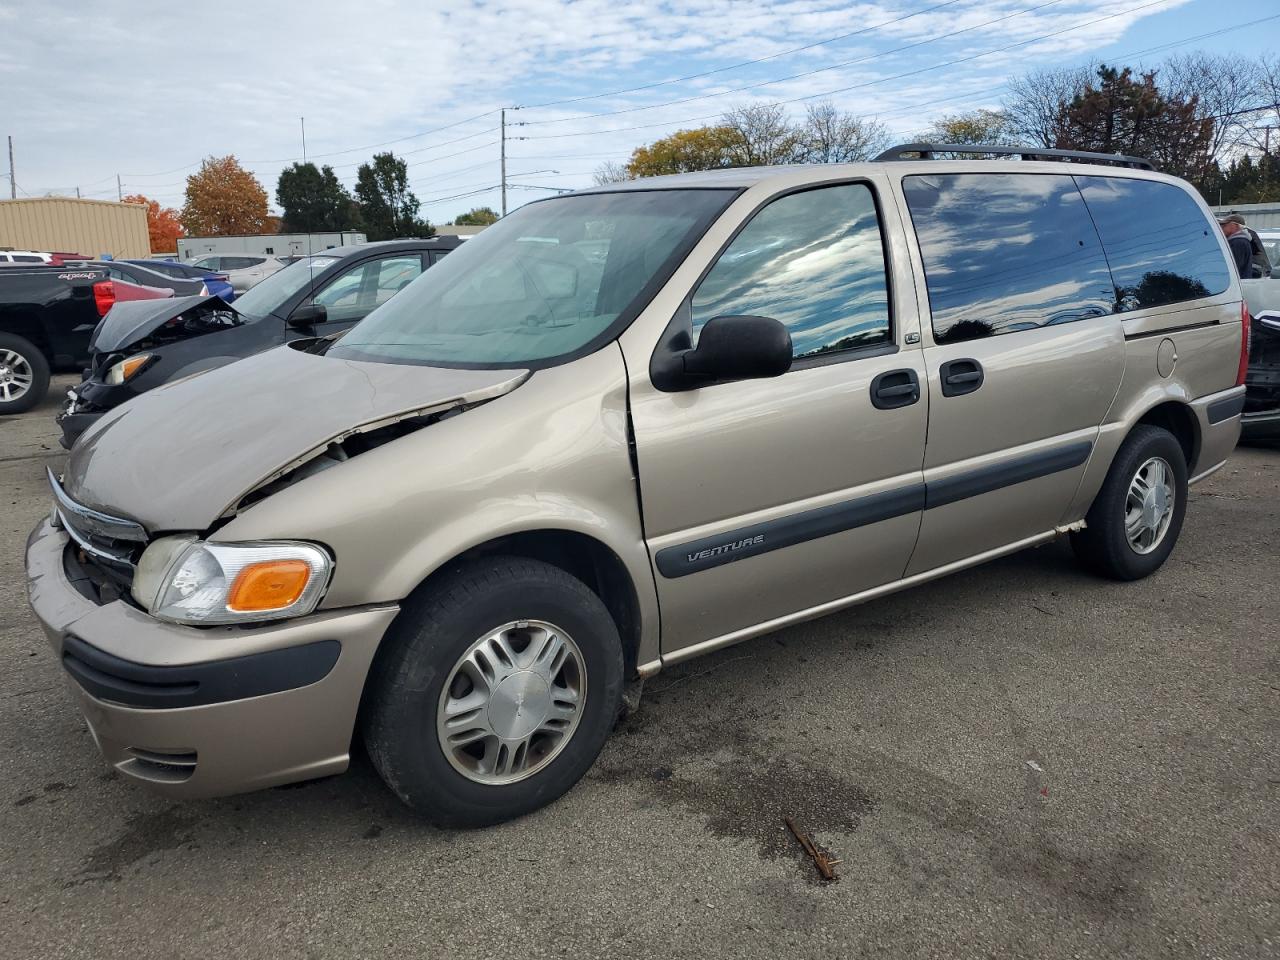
{"x": 132, "y": 366}
{"x": 269, "y": 585}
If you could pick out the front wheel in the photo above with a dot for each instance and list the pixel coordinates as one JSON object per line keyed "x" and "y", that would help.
{"x": 1135, "y": 520}
{"x": 496, "y": 692}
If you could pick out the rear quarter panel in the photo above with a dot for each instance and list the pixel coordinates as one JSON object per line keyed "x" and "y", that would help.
{"x": 1206, "y": 342}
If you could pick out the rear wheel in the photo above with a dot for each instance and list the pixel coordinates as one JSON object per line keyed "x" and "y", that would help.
{"x": 24, "y": 374}
{"x": 496, "y": 692}
{"x": 1135, "y": 520}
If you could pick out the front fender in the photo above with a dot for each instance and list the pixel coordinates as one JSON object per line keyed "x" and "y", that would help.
{"x": 551, "y": 455}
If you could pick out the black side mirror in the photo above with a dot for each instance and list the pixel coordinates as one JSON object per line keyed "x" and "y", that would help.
{"x": 307, "y": 315}
{"x": 729, "y": 348}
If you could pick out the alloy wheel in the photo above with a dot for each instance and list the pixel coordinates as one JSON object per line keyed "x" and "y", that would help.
{"x": 1149, "y": 505}
{"x": 512, "y": 702}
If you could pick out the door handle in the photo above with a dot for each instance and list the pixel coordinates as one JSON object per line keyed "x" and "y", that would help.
{"x": 960, "y": 377}
{"x": 895, "y": 388}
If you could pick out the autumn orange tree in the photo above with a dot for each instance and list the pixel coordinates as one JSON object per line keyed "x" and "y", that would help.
{"x": 163, "y": 226}
{"x": 223, "y": 198}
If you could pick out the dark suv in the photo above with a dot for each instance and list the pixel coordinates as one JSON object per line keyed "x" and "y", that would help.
{"x": 134, "y": 350}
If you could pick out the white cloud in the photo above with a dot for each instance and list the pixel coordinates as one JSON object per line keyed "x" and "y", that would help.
{"x": 142, "y": 89}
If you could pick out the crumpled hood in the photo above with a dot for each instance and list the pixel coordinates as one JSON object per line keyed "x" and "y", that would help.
{"x": 179, "y": 456}
{"x": 129, "y": 321}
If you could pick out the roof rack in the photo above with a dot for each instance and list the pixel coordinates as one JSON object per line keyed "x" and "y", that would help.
{"x": 926, "y": 151}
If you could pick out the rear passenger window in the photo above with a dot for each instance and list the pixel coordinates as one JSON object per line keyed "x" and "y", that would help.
{"x": 1161, "y": 246}
{"x": 812, "y": 260}
{"x": 1006, "y": 252}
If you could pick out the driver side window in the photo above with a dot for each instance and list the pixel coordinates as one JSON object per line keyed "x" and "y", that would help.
{"x": 814, "y": 261}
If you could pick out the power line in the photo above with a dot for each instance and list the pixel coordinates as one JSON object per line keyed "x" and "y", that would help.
{"x": 736, "y": 66}
{"x": 806, "y": 73}
{"x": 869, "y": 83}
{"x": 385, "y": 143}
{"x": 985, "y": 91}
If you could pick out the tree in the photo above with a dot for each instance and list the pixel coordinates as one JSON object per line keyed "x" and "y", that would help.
{"x": 222, "y": 199}
{"x": 760, "y": 134}
{"x": 313, "y": 199}
{"x": 1225, "y": 89}
{"x": 1037, "y": 101}
{"x": 476, "y": 217}
{"x": 1123, "y": 114}
{"x": 704, "y": 148}
{"x": 387, "y": 205}
{"x": 976, "y": 126}
{"x": 163, "y": 226}
{"x": 755, "y": 135}
{"x": 830, "y": 136}
{"x": 610, "y": 172}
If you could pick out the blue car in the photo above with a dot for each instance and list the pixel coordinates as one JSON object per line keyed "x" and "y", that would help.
{"x": 217, "y": 283}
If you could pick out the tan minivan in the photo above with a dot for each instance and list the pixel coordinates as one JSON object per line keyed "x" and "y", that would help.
{"x": 621, "y": 428}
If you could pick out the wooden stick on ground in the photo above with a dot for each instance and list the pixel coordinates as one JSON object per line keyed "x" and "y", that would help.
{"x": 825, "y": 865}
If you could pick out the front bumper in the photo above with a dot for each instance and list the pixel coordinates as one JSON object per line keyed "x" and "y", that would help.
{"x": 74, "y": 424}
{"x": 199, "y": 712}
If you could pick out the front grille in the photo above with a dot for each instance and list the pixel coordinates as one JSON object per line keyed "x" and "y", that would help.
{"x": 111, "y": 545}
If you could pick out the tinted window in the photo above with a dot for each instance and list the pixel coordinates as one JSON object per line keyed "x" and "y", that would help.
{"x": 19, "y": 258}
{"x": 1006, "y": 252}
{"x": 207, "y": 263}
{"x": 394, "y": 274}
{"x": 812, "y": 260}
{"x": 1161, "y": 247}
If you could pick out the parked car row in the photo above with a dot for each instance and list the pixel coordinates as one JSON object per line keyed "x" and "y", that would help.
{"x": 140, "y": 346}
{"x": 619, "y": 429}
{"x": 242, "y": 270}
{"x": 218, "y": 284}
{"x": 48, "y": 315}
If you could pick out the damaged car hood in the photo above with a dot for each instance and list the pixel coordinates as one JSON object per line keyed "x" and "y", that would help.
{"x": 182, "y": 455}
{"x": 129, "y": 321}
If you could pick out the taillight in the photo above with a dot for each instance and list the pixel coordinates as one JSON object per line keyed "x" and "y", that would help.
{"x": 1246, "y": 334}
{"x": 104, "y": 295}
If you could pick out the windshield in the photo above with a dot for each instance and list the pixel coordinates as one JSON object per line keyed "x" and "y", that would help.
{"x": 551, "y": 279}
{"x": 1272, "y": 246}
{"x": 268, "y": 295}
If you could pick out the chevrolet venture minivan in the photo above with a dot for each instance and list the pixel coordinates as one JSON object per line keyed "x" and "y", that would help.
{"x": 621, "y": 428}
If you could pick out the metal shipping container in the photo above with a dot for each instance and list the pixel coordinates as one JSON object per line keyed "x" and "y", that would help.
{"x": 271, "y": 244}
{"x": 91, "y": 227}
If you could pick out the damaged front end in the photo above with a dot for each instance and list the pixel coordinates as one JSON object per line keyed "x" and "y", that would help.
{"x": 1261, "y": 418}
{"x": 134, "y": 349}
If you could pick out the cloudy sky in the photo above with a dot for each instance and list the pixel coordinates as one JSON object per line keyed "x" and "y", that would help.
{"x": 145, "y": 90}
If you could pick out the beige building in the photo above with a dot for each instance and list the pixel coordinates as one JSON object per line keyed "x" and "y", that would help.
{"x": 91, "y": 227}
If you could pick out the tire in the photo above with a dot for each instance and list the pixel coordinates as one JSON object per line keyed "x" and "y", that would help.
{"x": 1104, "y": 546}
{"x": 406, "y": 705}
{"x": 24, "y": 374}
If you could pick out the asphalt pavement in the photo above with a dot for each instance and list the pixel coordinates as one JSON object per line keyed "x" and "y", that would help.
{"x": 1020, "y": 760}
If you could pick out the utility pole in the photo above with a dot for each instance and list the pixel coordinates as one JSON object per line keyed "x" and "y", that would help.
{"x": 77, "y": 193}
{"x": 303, "y": 121}
{"x": 502, "y": 149}
{"x": 13, "y": 180}
{"x": 119, "y": 189}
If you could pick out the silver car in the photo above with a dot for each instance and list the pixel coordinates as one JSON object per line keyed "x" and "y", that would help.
{"x": 243, "y": 270}
{"x": 619, "y": 429}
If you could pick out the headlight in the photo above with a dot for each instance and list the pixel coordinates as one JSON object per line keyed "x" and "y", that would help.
{"x": 126, "y": 369}
{"x": 190, "y": 581}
